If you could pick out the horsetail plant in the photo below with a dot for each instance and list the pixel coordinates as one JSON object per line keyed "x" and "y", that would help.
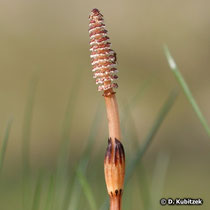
{"x": 103, "y": 60}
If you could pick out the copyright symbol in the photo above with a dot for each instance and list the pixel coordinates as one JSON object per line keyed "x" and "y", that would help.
{"x": 163, "y": 201}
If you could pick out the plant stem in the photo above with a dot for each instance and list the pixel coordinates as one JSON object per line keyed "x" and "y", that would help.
{"x": 103, "y": 60}
{"x": 114, "y": 163}
{"x": 115, "y": 203}
{"x": 113, "y": 117}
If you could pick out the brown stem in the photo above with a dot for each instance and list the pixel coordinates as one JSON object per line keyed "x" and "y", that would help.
{"x": 115, "y": 203}
{"x": 114, "y": 163}
{"x": 113, "y": 117}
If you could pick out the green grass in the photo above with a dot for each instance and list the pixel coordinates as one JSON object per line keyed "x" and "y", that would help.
{"x": 154, "y": 129}
{"x": 50, "y": 193}
{"x": 4, "y": 144}
{"x": 73, "y": 192}
{"x": 37, "y": 193}
{"x": 26, "y": 128}
{"x": 186, "y": 89}
{"x": 158, "y": 179}
{"x": 70, "y": 197}
{"x": 87, "y": 190}
{"x": 26, "y": 134}
{"x": 64, "y": 152}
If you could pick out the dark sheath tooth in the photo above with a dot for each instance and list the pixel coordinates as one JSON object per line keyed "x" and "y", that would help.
{"x": 108, "y": 151}
{"x": 121, "y": 150}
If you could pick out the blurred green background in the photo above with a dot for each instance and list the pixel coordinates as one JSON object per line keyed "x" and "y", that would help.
{"x": 46, "y": 87}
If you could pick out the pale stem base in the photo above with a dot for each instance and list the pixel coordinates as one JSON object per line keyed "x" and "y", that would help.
{"x": 115, "y": 203}
{"x": 113, "y": 117}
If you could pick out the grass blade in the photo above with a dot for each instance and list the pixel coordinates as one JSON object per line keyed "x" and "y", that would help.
{"x": 27, "y": 125}
{"x": 62, "y": 164}
{"x": 62, "y": 161}
{"x": 37, "y": 193}
{"x": 126, "y": 115}
{"x": 158, "y": 181}
{"x": 83, "y": 163}
{"x": 138, "y": 95}
{"x": 50, "y": 193}
{"x": 186, "y": 89}
{"x": 4, "y": 144}
{"x": 144, "y": 187}
{"x": 87, "y": 190}
{"x": 141, "y": 151}
{"x": 26, "y": 141}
